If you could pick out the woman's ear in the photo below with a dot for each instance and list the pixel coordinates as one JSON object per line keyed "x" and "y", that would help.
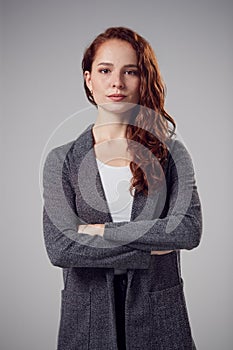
{"x": 87, "y": 77}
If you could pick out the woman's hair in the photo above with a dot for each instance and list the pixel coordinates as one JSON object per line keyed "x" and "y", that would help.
{"x": 150, "y": 125}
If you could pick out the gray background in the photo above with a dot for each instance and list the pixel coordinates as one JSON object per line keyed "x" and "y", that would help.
{"x": 43, "y": 42}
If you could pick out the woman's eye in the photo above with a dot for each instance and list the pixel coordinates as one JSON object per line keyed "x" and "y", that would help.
{"x": 132, "y": 72}
{"x": 104, "y": 71}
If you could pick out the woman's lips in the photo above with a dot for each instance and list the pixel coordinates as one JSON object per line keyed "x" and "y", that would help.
{"x": 116, "y": 97}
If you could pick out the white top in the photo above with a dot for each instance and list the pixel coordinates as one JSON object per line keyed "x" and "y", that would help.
{"x": 116, "y": 183}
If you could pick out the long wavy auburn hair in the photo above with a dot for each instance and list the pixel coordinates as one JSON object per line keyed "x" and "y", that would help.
{"x": 150, "y": 124}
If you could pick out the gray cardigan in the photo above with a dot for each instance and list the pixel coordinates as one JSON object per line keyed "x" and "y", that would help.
{"x": 169, "y": 219}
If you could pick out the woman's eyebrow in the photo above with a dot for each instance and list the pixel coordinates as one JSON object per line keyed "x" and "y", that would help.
{"x": 111, "y": 64}
{"x": 105, "y": 64}
{"x": 131, "y": 66}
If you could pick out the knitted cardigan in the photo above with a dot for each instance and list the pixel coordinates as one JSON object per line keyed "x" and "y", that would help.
{"x": 156, "y": 316}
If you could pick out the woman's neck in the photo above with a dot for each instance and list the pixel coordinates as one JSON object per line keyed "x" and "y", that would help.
{"x": 110, "y": 143}
{"x": 110, "y": 126}
{"x": 109, "y": 131}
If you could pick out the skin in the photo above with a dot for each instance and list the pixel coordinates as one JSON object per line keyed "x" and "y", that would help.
{"x": 114, "y": 71}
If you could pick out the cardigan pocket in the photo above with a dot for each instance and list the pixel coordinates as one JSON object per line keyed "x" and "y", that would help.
{"x": 169, "y": 319}
{"x": 74, "y": 327}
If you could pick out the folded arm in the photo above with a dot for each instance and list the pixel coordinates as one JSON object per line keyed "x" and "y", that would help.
{"x": 65, "y": 246}
{"x": 181, "y": 227}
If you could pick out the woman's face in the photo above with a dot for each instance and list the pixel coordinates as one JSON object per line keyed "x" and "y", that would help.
{"x": 114, "y": 78}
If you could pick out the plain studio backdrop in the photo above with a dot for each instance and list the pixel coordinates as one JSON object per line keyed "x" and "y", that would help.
{"x": 42, "y": 44}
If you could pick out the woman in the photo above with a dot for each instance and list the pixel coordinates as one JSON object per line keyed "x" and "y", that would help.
{"x": 119, "y": 247}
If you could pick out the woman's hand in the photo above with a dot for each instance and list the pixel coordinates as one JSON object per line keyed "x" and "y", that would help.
{"x": 160, "y": 252}
{"x": 92, "y": 229}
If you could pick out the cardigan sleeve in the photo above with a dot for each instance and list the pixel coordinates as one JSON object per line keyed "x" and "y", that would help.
{"x": 181, "y": 227}
{"x": 64, "y": 245}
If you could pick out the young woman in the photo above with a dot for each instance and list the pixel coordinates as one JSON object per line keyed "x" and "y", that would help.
{"x": 120, "y": 202}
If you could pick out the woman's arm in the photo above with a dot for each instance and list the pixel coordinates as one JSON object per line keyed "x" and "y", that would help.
{"x": 182, "y": 226}
{"x": 98, "y": 229}
{"x": 65, "y": 246}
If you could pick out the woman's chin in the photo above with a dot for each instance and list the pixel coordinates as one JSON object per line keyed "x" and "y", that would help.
{"x": 117, "y": 107}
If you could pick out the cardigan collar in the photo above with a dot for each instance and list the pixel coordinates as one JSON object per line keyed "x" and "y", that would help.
{"x": 89, "y": 184}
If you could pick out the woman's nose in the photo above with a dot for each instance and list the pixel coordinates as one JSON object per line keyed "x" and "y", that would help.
{"x": 118, "y": 81}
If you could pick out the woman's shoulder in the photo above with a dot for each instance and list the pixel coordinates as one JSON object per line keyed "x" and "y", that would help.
{"x": 179, "y": 155}
{"x": 77, "y": 145}
{"x": 177, "y": 147}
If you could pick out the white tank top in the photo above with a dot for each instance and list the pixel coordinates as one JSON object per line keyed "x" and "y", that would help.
{"x": 116, "y": 183}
